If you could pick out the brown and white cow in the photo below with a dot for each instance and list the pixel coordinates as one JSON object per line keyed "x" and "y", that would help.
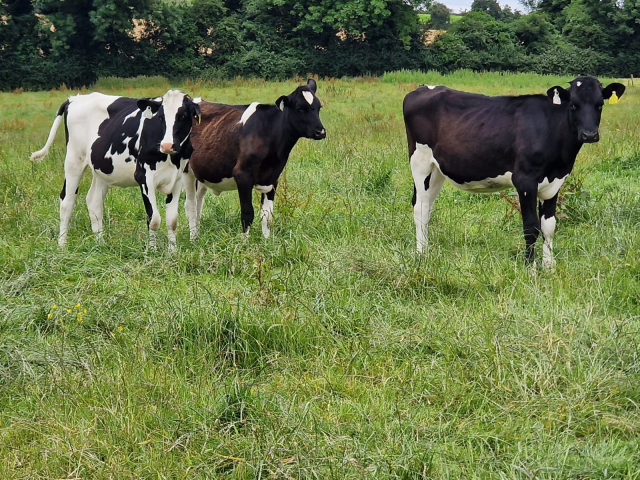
{"x": 242, "y": 147}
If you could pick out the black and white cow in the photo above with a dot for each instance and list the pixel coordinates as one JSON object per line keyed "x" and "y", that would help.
{"x": 127, "y": 142}
{"x": 486, "y": 144}
{"x": 242, "y": 147}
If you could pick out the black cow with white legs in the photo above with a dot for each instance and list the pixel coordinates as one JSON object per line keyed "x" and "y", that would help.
{"x": 485, "y": 144}
{"x": 246, "y": 147}
{"x": 126, "y": 142}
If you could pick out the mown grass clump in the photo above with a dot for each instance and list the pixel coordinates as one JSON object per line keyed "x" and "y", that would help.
{"x": 329, "y": 350}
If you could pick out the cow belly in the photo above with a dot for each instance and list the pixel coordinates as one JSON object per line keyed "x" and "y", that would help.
{"x": 224, "y": 185}
{"x": 487, "y": 185}
{"x": 123, "y": 174}
{"x": 549, "y": 189}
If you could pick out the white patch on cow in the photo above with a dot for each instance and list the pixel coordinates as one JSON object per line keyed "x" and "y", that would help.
{"x": 431, "y": 87}
{"x": 422, "y": 163}
{"x": 171, "y": 102}
{"x": 308, "y": 96}
{"x": 133, "y": 115}
{"x": 158, "y": 99}
{"x": 263, "y": 188}
{"x": 548, "y": 227}
{"x": 147, "y": 114}
{"x": 197, "y": 100}
{"x": 225, "y": 185}
{"x": 578, "y": 84}
{"x": 556, "y": 97}
{"x": 281, "y": 105}
{"x": 251, "y": 109}
{"x": 266, "y": 213}
{"x": 547, "y": 190}
{"x": 487, "y": 185}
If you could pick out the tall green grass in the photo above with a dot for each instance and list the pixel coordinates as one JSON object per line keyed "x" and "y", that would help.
{"x": 329, "y": 350}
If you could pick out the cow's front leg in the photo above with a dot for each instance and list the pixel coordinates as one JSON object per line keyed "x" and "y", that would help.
{"x": 548, "y": 228}
{"x": 527, "y": 194}
{"x": 146, "y": 179}
{"x": 266, "y": 212}
{"x": 244, "y": 181}
{"x": 171, "y": 213}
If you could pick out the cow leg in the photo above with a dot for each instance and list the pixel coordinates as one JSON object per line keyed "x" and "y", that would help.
{"x": 73, "y": 170}
{"x": 266, "y": 212}
{"x": 146, "y": 180}
{"x": 427, "y": 182}
{"x": 190, "y": 204}
{"x": 244, "y": 182}
{"x": 95, "y": 203}
{"x": 171, "y": 213}
{"x": 200, "y": 193}
{"x": 530, "y": 221}
{"x": 548, "y": 228}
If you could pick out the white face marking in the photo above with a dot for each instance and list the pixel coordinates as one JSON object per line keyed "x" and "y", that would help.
{"x": 431, "y": 87}
{"x": 171, "y": 101}
{"x": 281, "y": 105}
{"x": 197, "y": 100}
{"x": 578, "y": 84}
{"x": 251, "y": 109}
{"x": 556, "y": 97}
{"x": 308, "y": 96}
{"x": 547, "y": 190}
{"x": 263, "y": 188}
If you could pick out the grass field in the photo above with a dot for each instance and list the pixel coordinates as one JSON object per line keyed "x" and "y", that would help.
{"x": 425, "y": 17}
{"x": 329, "y": 351}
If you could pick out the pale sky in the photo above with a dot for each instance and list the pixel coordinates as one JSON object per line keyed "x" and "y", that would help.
{"x": 458, "y": 5}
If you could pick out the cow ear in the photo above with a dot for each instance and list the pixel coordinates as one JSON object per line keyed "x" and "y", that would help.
{"x": 145, "y": 103}
{"x": 196, "y": 112}
{"x": 558, "y": 95}
{"x": 312, "y": 85}
{"x": 282, "y": 102}
{"x": 613, "y": 87}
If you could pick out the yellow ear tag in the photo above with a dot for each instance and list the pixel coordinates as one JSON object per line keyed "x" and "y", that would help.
{"x": 613, "y": 99}
{"x": 200, "y": 117}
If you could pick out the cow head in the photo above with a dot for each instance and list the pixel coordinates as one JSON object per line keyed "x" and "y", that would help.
{"x": 584, "y": 100}
{"x": 302, "y": 109}
{"x": 175, "y": 112}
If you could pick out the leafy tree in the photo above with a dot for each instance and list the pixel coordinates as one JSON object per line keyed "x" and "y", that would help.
{"x": 490, "y": 7}
{"x": 440, "y": 15}
{"x": 536, "y": 32}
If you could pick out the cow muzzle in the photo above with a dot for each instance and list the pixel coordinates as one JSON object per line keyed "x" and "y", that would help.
{"x": 320, "y": 134}
{"x": 167, "y": 148}
{"x": 590, "y": 137}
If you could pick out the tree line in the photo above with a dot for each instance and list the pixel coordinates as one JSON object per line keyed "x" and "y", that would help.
{"x": 47, "y": 43}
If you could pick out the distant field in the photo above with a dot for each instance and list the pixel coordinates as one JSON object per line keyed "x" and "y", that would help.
{"x": 330, "y": 351}
{"x": 425, "y": 17}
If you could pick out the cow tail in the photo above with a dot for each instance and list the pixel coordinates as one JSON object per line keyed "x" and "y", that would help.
{"x": 52, "y": 134}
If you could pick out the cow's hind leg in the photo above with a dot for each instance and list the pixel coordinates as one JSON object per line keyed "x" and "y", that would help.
{"x": 73, "y": 170}
{"x": 95, "y": 204}
{"x": 266, "y": 212}
{"x": 191, "y": 202}
{"x": 428, "y": 181}
{"x": 548, "y": 228}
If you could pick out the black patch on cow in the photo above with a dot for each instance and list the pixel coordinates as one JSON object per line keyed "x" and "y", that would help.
{"x": 169, "y": 198}
{"x": 113, "y": 132}
{"x": 426, "y": 182}
{"x": 63, "y": 193}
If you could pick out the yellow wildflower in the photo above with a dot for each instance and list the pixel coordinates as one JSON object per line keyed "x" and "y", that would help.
{"x": 54, "y": 307}
{"x": 79, "y": 319}
{"x": 49, "y": 316}
{"x": 77, "y": 305}
{"x": 120, "y": 328}
{"x": 84, "y": 311}
{"x": 68, "y": 310}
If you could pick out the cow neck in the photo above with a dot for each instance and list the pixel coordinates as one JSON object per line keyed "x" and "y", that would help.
{"x": 285, "y": 138}
{"x": 571, "y": 145}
